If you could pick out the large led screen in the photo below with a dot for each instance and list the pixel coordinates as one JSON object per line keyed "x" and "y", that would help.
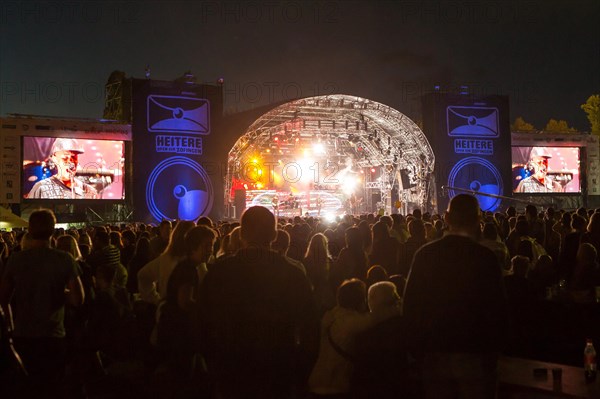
{"x": 71, "y": 168}
{"x": 546, "y": 170}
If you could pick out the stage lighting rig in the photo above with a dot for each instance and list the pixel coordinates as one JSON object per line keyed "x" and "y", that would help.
{"x": 349, "y": 128}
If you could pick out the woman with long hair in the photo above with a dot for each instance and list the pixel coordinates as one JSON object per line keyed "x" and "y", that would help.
{"x": 352, "y": 261}
{"x": 592, "y": 235}
{"x": 317, "y": 262}
{"x": 153, "y": 278}
{"x": 68, "y": 243}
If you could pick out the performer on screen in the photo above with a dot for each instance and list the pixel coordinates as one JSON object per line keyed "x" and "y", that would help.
{"x": 64, "y": 158}
{"x": 538, "y": 181}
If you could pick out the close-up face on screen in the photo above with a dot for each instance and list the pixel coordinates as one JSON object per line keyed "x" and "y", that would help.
{"x": 69, "y": 168}
{"x": 546, "y": 169}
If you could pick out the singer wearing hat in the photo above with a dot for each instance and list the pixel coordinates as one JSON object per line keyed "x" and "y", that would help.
{"x": 538, "y": 181}
{"x": 64, "y": 159}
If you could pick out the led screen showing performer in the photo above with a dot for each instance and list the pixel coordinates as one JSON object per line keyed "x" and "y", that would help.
{"x": 546, "y": 170}
{"x": 70, "y": 168}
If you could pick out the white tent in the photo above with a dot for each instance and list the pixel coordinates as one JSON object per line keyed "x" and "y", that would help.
{"x": 10, "y": 220}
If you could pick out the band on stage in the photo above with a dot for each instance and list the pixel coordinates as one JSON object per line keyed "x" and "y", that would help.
{"x": 291, "y": 202}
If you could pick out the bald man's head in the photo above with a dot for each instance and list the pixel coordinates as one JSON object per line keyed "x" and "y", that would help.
{"x": 258, "y": 227}
{"x": 463, "y": 212}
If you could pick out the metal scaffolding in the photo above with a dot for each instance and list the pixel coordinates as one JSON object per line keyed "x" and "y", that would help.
{"x": 351, "y": 129}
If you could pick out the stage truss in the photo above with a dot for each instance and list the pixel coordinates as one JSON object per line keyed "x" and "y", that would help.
{"x": 345, "y": 136}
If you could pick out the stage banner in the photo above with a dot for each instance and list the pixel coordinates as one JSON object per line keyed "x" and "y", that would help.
{"x": 175, "y": 174}
{"x": 470, "y": 138}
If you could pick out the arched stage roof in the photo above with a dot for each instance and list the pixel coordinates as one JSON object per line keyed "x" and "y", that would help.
{"x": 373, "y": 133}
{"x": 367, "y": 133}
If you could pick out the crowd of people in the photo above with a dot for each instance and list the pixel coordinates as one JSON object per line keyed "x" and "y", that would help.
{"x": 414, "y": 305}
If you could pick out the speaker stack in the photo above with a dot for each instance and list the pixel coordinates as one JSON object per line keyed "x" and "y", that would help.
{"x": 173, "y": 150}
{"x": 239, "y": 201}
{"x": 470, "y": 138}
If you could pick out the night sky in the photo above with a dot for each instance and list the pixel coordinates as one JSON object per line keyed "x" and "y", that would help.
{"x": 55, "y": 57}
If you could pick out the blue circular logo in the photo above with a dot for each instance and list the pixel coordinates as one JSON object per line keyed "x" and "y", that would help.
{"x": 179, "y": 188}
{"x": 477, "y": 175}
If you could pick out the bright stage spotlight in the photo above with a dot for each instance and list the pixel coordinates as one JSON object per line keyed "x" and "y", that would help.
{"x": 306, "y": 168}
{"x": 253, "y": 170}
{"x": 319, "y": 148}
{"x": 349, "y": 184}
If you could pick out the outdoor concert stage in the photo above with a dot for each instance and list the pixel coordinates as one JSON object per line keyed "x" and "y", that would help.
{"x": 174, "y": 155}
{"x": 330, "y": 155}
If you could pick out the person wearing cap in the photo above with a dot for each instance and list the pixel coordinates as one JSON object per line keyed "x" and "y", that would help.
{"x": 538, "y": 181}
{"x": 64, "y": 159}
